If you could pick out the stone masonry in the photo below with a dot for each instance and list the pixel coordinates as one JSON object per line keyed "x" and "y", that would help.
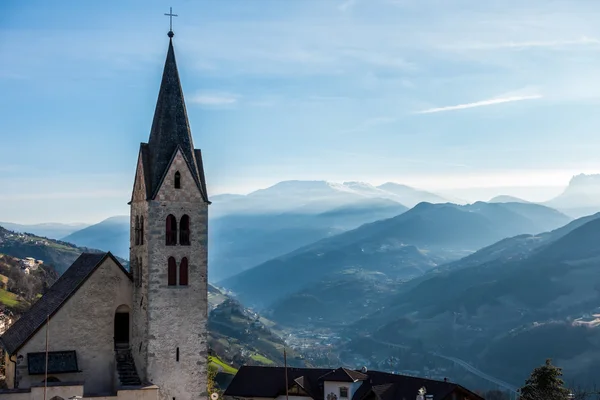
{"x": 171, "y": 319}
{"x": 85, "y": 324}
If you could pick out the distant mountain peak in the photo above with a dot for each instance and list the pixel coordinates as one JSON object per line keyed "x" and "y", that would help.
{"x": 503, "y": 198}
{"x": 583, "y": 193}
{"x": 585, "y": 179}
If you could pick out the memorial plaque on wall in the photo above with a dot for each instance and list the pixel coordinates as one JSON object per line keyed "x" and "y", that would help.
{"x": 58, "y": 362}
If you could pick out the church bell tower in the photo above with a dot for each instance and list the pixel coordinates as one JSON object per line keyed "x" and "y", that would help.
{"x": 168, "y": 255}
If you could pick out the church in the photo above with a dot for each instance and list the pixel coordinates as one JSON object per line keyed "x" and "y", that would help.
{"x": 107, "y": 333}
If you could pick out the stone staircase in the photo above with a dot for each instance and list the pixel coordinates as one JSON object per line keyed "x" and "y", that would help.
{"x": 126, "y": 366}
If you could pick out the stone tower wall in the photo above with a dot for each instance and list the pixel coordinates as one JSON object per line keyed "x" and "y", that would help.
{"x": 177, "y": 315}
{"x": 139, "y": 328}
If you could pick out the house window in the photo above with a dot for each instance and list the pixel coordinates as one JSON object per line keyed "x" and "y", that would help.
{"x": 343, "y": 393}
{"x": 184, "y": 231}
{"x": 183, "y": 272}
{"x": 171, "y": 230}
{"x": 172, "y": 273}
{"x": 177, "y": 180}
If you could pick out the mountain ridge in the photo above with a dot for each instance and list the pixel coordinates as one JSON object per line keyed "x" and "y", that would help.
{"x": 401, "y": 247}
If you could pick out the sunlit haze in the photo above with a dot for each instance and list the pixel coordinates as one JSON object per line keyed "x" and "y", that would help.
{"x": 470, "y": 98}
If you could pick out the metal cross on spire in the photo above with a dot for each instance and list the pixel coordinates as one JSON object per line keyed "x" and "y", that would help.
{"x": 171, "y": 15}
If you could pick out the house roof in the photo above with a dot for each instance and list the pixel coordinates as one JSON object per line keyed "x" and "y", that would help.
{"x": 253, "y": 381}
{"x": 56, "y": 296}
{"x": 344, "y": 375}
{"x": 170, "y": 131}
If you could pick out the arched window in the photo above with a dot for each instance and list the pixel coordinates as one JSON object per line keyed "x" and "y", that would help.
{"x": 172, "y": 279}
{"x": 142, "y": 229}
{"x": 177, "y": 180}
{"x": 183, "y": 272}
{"x": 171, "y": 231}
{"x": 137, "y": 230}
{"x": 184, "y": 231}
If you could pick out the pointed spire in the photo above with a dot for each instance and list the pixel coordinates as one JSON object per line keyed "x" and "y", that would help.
{"x": 170, "y": 128}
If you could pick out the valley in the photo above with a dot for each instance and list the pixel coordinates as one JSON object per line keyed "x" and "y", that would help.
{"x": 358, "y": 275}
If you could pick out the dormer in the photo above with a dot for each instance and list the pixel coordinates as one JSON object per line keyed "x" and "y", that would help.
{"x": 341, "y": 384}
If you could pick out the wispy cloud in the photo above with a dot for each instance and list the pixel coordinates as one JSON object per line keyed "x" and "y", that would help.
{"x": 522, "y": 45}
{"x": 489, "y": 102}
{"x": 214, "y": 99}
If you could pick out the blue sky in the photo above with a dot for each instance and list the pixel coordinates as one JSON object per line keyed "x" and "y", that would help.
{"x": 447, "y": 95}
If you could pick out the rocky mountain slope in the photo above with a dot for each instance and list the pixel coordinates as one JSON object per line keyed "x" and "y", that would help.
{"x": 581, "y": 197}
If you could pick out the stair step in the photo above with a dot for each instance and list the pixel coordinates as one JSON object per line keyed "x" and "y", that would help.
{"x": 126, "y": 366}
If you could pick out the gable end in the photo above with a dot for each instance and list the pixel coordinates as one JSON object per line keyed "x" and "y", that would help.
{"x": 57, "y": 295}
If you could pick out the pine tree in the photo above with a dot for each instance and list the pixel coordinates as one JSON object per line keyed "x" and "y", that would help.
{"x": 545, "y": 383}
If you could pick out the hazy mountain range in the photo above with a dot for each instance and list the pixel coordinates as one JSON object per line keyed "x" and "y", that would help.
{"x": 397, "y": 248}
{"x": 247, "y": 230}
{"x": 51, "y": 230}
{"x": 505, "y": 308}
{"x": 393, "y": 264}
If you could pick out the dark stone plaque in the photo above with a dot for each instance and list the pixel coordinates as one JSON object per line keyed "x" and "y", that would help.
{"x": 58, "y": 362}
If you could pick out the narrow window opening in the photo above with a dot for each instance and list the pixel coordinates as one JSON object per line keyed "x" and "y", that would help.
{"x": 142, "y": 229}
{"x": 138, "y": 277}
{"x": 172, "y": 273}
{"x": 184, "y": 231}
{"x": 171, "y": 230}
{"x": 177, "y": 355}
{"x": 137, "y": 230}
{"x": 177, "y": 180}
{"x": 140, "y": 349}
{"x": 183, "y": 272}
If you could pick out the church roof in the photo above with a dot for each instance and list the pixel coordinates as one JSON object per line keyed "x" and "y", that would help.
{"x": 56, "y": 296}
{"x": 170, "y": 131}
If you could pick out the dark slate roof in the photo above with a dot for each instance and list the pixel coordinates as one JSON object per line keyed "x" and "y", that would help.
{"x": 57, "y": 295}
{"x": 252, "y": 381}
{"x": 170, "y": 131}
{"x": 344, "y": 375}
